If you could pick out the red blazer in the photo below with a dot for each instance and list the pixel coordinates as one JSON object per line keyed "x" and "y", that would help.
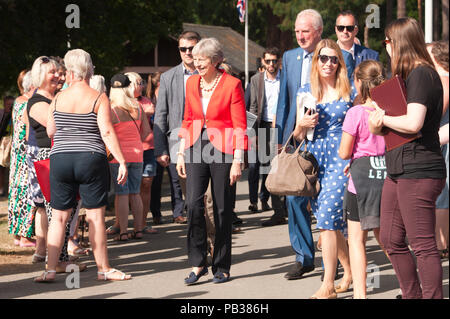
{"x": 226, "y": 119}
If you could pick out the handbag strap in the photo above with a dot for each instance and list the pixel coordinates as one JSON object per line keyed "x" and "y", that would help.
{"x": 297, "y": 150}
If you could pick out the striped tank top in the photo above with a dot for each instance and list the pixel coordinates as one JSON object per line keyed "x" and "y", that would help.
{"x": 77, "y": 132}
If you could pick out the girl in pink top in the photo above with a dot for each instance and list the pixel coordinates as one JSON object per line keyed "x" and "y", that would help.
{"x": 363, "y": 195}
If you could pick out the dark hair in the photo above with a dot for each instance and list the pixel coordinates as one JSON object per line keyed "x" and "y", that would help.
{"x": 348, "y": 13}
{"x": 408, "y": 46}
{"x": 439, "y": 49}
{"x": 272, "y": 51}
{"x": 8, "y": 97}
{"x": 371, "y": 73}
{"x": 20, "y": 80}
{"x": 152, "y": 84}
{"x": 258, "y": 63}
{"x": 190, "y": 35}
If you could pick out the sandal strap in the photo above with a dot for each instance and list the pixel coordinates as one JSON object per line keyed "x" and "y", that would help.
{"x": 112, "y": 270}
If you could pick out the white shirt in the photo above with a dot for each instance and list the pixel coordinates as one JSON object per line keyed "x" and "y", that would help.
{"x": 272, "y": 90}
{"x": 306, "y": 67}
{"x": 205, "y": 103}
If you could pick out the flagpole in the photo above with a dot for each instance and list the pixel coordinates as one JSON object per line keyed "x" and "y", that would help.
{"x": 246, "y": 43}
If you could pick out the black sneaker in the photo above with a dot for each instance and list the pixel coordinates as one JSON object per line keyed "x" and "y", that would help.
{"x": 236, "y": 220}
{"x": 265, "y": 206}
{"x": 297, "y": 271}
{"x": 253, "y": 208}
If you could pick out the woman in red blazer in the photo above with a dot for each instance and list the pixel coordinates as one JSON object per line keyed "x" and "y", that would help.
{"x": 213, "y": 141}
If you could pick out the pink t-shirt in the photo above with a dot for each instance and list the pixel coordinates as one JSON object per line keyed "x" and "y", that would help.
{"x": 356, "y": 123}
{"x": 147, "y": 105}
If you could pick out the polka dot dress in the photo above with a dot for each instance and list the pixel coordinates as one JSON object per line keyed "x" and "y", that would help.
{"x": 327, "y": 206}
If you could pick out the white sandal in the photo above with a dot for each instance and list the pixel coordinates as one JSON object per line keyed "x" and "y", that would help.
{"x": 113, "y": 270}
{"x": 44, "y": 278}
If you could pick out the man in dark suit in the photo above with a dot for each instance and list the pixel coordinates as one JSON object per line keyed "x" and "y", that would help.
{"x": 295, "y": 73}
{"x": 346, "y": 30}
{"x": 169, "y": 116}
{"x": 265, "y": 88}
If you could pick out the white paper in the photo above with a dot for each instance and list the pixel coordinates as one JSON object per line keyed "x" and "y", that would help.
{"x": 308, "y": 101}
{"x": 251, "y": 119}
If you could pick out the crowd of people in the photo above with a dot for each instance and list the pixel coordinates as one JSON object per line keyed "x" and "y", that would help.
{"x": 192, "y": 120}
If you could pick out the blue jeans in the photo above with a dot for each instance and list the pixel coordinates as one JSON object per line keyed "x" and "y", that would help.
{"x": 300, "y": 229}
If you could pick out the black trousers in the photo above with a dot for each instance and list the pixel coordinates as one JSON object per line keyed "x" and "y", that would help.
{"x": 198, "y": 176}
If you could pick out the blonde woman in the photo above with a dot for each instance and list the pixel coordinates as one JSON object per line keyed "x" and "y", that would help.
{"x": 332, "y": 90}
{"x": 132, "y": 127}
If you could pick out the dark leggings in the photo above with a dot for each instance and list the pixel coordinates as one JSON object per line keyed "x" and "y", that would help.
{"x": 408, "y": 210}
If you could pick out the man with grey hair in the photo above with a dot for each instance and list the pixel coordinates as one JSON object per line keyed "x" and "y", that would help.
{"x": 295, "y": 73}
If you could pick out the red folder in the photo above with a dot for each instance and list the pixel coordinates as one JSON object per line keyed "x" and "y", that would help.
{"x": 391, "y": 97}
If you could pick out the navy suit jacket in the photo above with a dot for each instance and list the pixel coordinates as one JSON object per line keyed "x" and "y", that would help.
{"x": 290, "y": 82}
{"x": 362, "y": 53}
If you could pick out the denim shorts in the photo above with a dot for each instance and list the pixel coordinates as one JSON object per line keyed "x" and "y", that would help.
{"x": 149, "y": 168}
{"x": 133, "y": 183}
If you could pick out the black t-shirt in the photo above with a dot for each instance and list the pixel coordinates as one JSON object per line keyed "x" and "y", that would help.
{"x": 42, "y": 138}
{"x": 421, "y": 158}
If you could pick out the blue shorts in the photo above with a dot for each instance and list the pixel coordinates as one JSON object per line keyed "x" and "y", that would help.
{"x": 149, "y": 169}
{"x": 133, "y": 183}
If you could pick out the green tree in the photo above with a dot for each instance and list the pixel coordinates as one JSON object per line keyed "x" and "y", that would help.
{"x": 109, "y": 30}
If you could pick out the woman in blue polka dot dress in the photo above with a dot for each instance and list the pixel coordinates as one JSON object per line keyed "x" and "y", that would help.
{"x": 334, "y": 95}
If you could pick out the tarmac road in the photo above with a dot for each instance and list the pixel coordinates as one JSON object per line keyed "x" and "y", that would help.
{"x": 158, "y": 263}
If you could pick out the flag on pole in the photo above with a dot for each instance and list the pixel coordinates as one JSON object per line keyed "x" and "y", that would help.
{"x": 241, "y": 7}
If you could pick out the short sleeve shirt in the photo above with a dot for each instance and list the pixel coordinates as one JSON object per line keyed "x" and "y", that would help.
{"x": 421, "y": 158}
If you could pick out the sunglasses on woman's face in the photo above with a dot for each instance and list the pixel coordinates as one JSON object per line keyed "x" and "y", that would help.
{"x": 324, "y": 59}
{"x": 349, "y": 28}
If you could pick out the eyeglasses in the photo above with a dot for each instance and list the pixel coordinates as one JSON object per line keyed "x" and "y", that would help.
{"x": 274, "y": 61}
{"x": 45, "y": 59}
{"x": 324, "y": 59}
{"x": 386, "y": 42}
{"x": 184, "y": 49}
{"x": 349, "y": 28}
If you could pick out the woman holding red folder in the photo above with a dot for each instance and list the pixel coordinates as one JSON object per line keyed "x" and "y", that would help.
{"x": 416, "y": 170}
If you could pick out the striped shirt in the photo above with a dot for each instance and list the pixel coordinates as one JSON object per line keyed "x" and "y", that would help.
{"x": 77, "y": 133}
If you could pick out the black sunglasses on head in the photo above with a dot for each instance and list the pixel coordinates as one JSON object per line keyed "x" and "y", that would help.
{"x": 324, "y": 59}
{"x": 184, "y": 49}
{"x": 274, "y": 61}
{"x": 349, "y": 28}
{"x": 45, "y": 59}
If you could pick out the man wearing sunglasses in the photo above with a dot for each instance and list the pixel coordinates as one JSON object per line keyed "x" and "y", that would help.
{"x": 169, "y": 116}
{"x": 346, "y": 30}
{"x": 265, "y": 88}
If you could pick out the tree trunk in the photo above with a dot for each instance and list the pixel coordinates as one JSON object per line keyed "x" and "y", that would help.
{"x": 401, "y": 9}
{"x": 419, "y": 9}
{"x": 445, "y": 20}
{"x": 276, "y": 37}
{"x": 389, "y": 10}
{"x": 436, "y": 20}
{"x": 366, "y": 37}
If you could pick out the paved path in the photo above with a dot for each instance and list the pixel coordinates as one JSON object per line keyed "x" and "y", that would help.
{"x": 261, "y": 256}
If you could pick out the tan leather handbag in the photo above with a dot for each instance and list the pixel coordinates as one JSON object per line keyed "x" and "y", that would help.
{"x": 294, "y": 173}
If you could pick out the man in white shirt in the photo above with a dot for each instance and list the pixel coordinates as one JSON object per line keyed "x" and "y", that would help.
{"x": 265, "y": 88}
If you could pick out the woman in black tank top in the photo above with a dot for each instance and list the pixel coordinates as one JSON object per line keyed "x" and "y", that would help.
{"x": 78, "y": 168}
{"x": 45, "y": 77}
